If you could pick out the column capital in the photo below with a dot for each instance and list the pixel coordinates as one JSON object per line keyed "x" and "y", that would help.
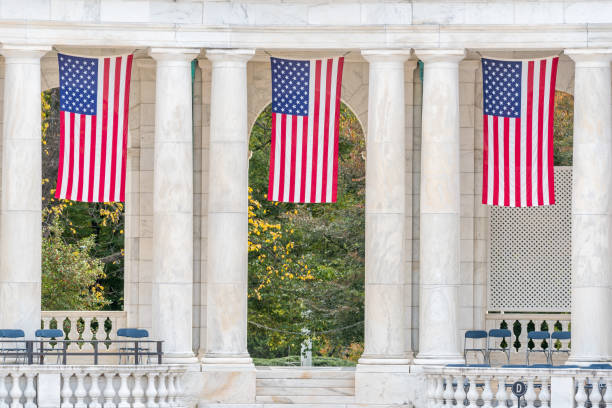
{"x": 441, "y": 56}
{"x": 230, "y": 55}
{"x": 171, "y": 54}
{"x": 590, "y": 57}
{"x": 386, "y": 55}
{"x": 23, "y": 52}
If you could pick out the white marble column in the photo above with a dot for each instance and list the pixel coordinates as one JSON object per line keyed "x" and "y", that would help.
{"x": 383, "y": 370}
{"x": 227, "y": 209}
{"x": 173, "y": 203}
{"x": 591, "y": 207}
{"x": 232, "y": 374}
{"x": 20, "y": 215}
{"x": 440, "y": 209}
{"x": 385, "y": 209}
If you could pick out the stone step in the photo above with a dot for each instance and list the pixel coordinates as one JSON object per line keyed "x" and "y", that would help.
{"x": 322, "y": 405}
{"x": 320, "y": 373}
{"x": 305, "y": 391}
{"x": 306, "y": 382}
{"x": 326, "y": 400}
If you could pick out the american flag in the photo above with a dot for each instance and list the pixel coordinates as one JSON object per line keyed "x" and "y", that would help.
{"x": 519, "y": 102}
{"x": 305, "y": 112}
{"x": 94, "y": 107}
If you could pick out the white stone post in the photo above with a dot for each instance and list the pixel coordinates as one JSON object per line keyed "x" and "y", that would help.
{"x": 229, "y": 371}
{"x": 440, "y": 209}
{"x": 591, "y": 211}
{"x": 384, "y": 364}
{"x": 20, "y": 215}
{"x": 173, "y": 204}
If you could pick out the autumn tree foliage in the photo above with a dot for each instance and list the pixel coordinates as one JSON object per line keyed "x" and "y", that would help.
{"x": 306, "y": 261}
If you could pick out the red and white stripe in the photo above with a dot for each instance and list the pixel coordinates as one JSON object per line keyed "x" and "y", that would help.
{"x": 304, "y": 150}
{"x": 518, "y": 168}
{"x": 93, "y": 148}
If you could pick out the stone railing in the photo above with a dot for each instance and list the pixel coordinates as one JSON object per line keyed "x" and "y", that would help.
{"x": 520, "y": 323}
{"x": 80, "y": 326}
{"x": 91, "y": 386}
{"x": 491, "y": 387}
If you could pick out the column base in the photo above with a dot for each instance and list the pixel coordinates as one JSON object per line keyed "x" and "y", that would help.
{"x": 384, "y": 384}
{"x": 228, "y": 379}
{"x": 438, "y": 359}
{"x": 180, "y": 358}
{"x": 587, "y": 360}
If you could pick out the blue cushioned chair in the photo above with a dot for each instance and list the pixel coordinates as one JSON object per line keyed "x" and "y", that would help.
{"x": 45, "y": 335}
{"x": 475, "y": 335}
{"x": 497, "y": 334}
{"x": 538, "y": 335}
{"x": 561, "y": 336}
{"x": 17, "y": 349}
{"x": 133, "y": 334}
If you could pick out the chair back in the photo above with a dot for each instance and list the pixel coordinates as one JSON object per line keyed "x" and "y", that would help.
{"x": 561, "y": 335}
{"x": 538, "y": 335}
{"x": 11, "y": 333}
{"x": 475, "y": 334}
{"x": 500, "y": 333}
{"x": 133, "y": 333}
{"x": 49, "y": 333}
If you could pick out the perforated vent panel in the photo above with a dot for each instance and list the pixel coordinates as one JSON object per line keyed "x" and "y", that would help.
{"x": 530, "y": 256}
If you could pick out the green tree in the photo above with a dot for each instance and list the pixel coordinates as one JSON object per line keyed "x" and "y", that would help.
{"x": 102, "y": 221}
{"x": 320, "y": 281}
{"x": 563, "y": 128}
{"x": 70, "y": 273}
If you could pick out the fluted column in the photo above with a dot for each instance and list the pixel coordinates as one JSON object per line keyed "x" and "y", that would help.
{"x": 173, "y": 203}
{"x": 440, "y": 209}
{"x": 385, "y": 209}
{"x": 227, "y": 209}
{"x": 20, "y": 215}
{"x": 591, "y": 210}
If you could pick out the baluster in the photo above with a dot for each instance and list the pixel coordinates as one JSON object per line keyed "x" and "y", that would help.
{"x": 460, "y": 391}
{"x": 138, "y": 392}
{"x": 66, "y": 392}
{"x": 80, "y": 391}
{"x": 595, "y": 395}
{"x": 94, "y": 390}
{"x": 162, "y": 391}
{"x": 472, "y": 395}
{"x": 530, "y": 395}
{"x": 544, "y": 395}
{"x": 487, "y": 393}
{"x": 124, "y": 391}
{"x": 449, "y": 393}
{"x": 30, "y": 391}
{"x": 608, "y": 393}
{"x": 581, "y": 396}
{"x": 500, "y": 395}
{"x": 109, "y": 391}
{"x": 509, "y": 396}
{"x": 87, "y": 335}
{"x": 16, "y": 392}
{"x": 172, "y": 391}
{"x": 438, "y": 394}
{"x": 3, "y": 390}
{"x": 73, "y": 335}
{"x": 151, "y": 391}
{"x": 430, "y": 380}
{"x": 178, "y": 386}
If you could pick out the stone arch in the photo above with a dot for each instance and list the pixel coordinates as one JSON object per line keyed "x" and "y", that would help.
{"x": 354, "y": 90}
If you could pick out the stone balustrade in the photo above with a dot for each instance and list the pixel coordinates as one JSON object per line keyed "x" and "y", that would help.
{"x": 521, "y": 323}
{"x": 81, "y": 326}
{"x": 489, "y": 387}
{"x": 91, "y": 386}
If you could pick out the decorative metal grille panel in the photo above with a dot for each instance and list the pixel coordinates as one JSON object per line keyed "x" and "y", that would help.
{"x": 530, "y": 254}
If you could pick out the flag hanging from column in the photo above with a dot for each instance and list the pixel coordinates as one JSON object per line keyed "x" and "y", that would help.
{"x": 305, "y": 116}
{"x": 94, "y": 107}
{"x": 519, "y": 103}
